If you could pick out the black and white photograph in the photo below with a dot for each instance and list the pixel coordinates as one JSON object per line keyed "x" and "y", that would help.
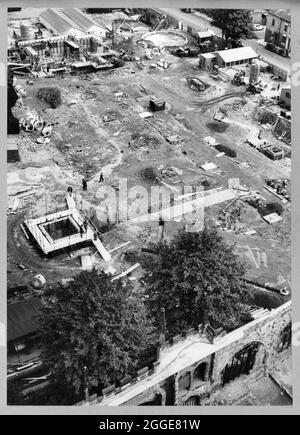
{"x": 149, "y": 207}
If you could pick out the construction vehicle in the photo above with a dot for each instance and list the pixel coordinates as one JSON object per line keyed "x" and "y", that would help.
{"x": 238, "y": 79}
{"x": 186, "y": 52}
{"x": 255, "y": 88}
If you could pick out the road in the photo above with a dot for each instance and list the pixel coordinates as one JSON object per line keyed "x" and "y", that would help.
{"x": 201, "y": 22}
{"x": 268, "y": 56}
{"x": 196, "y": 20}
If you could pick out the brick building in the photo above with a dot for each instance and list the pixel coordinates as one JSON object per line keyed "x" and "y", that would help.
{"x": 278, "y": 29}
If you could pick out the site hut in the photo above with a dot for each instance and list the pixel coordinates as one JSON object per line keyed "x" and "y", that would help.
{"x": 235, "y": 56}
{"x": 205, "y": 36}
{"x": 156, "y": 104}
{"x": 207, "y": 61}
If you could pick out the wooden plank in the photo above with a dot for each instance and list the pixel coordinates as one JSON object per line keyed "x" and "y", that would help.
{"x": 118, "y": 247}
{"x": 24, "y": 231}
{"x": 102, "y": 251}
{"x": 126, "y": 272}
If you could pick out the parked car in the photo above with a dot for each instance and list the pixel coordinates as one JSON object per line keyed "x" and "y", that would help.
{"x": 270, "y": 47}
{"x": 186, "y": 52}
{"x": 257, "y": 27}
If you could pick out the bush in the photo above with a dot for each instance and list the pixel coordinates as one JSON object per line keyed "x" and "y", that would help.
{"x": 51, "y": 96}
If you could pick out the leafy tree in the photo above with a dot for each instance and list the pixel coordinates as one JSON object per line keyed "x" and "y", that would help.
{"x": 93, "y": 331}
{"x": 234, "y": 23}
{"x": 196, "y": 278}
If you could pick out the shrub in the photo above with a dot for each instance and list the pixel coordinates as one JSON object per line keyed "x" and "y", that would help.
{"x": 51, "y": 96}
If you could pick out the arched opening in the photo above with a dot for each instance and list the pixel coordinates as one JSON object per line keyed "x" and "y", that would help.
{"x": 242, "y": 363}
{"x": 286, "y": 337}
{"x": 192, "y": 401}
{"x": 200, "y": 371}
{"x": 184, "y": 382}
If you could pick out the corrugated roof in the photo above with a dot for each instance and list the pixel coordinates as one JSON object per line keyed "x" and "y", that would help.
{"x": 56, "y": 21}
{"x": 236, "y": 54}
{"x": 21, "y": 318}
{"x": 81, "y": 20}
{"x": 284, "y": 14}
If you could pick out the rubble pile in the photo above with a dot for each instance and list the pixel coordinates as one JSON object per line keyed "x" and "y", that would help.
{"x": 144, "y": 139}
{"x": 146, "y": 234}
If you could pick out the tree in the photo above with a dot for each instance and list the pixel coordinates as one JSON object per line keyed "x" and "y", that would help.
{"x": 197, "y": 278}
{"x": 93, "y": 331}
{"x": 234, "y": 23}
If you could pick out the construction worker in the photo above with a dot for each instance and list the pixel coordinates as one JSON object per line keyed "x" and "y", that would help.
{"x": 84, "y": 184}
{"x": 101, "y": 179}
{"x": 95, "y": 235}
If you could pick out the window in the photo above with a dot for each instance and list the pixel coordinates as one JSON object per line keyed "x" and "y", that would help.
{"x": 273, "y": 22}
{"x": 241, "y": 364}
{"x": 286, "y": 26}
{"x": 199, "y": 373}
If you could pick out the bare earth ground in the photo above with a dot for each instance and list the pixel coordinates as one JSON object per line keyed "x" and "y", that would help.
{"x": 83, "y": 145}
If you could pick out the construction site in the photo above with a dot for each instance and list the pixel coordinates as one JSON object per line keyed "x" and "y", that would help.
{"x": 102, "y": 107}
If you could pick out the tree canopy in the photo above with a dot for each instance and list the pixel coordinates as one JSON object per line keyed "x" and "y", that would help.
{"x": 92, "y": 331}
{"x": 196, "y": 278}
{"x": 234, "y": 23}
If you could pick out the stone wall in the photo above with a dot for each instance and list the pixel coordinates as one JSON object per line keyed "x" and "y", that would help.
{"x": 268, "y": 337}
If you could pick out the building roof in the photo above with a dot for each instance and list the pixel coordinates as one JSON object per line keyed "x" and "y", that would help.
{"x": 284, "y": 14}
{"x": 236, "y": 54}
{"x": 21, "y": 318}
{"x": 56, "y": 21}
{"x": 208, "y": 55}
{"x": 206, "y": 34}
{"x": 84, "y": 22}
